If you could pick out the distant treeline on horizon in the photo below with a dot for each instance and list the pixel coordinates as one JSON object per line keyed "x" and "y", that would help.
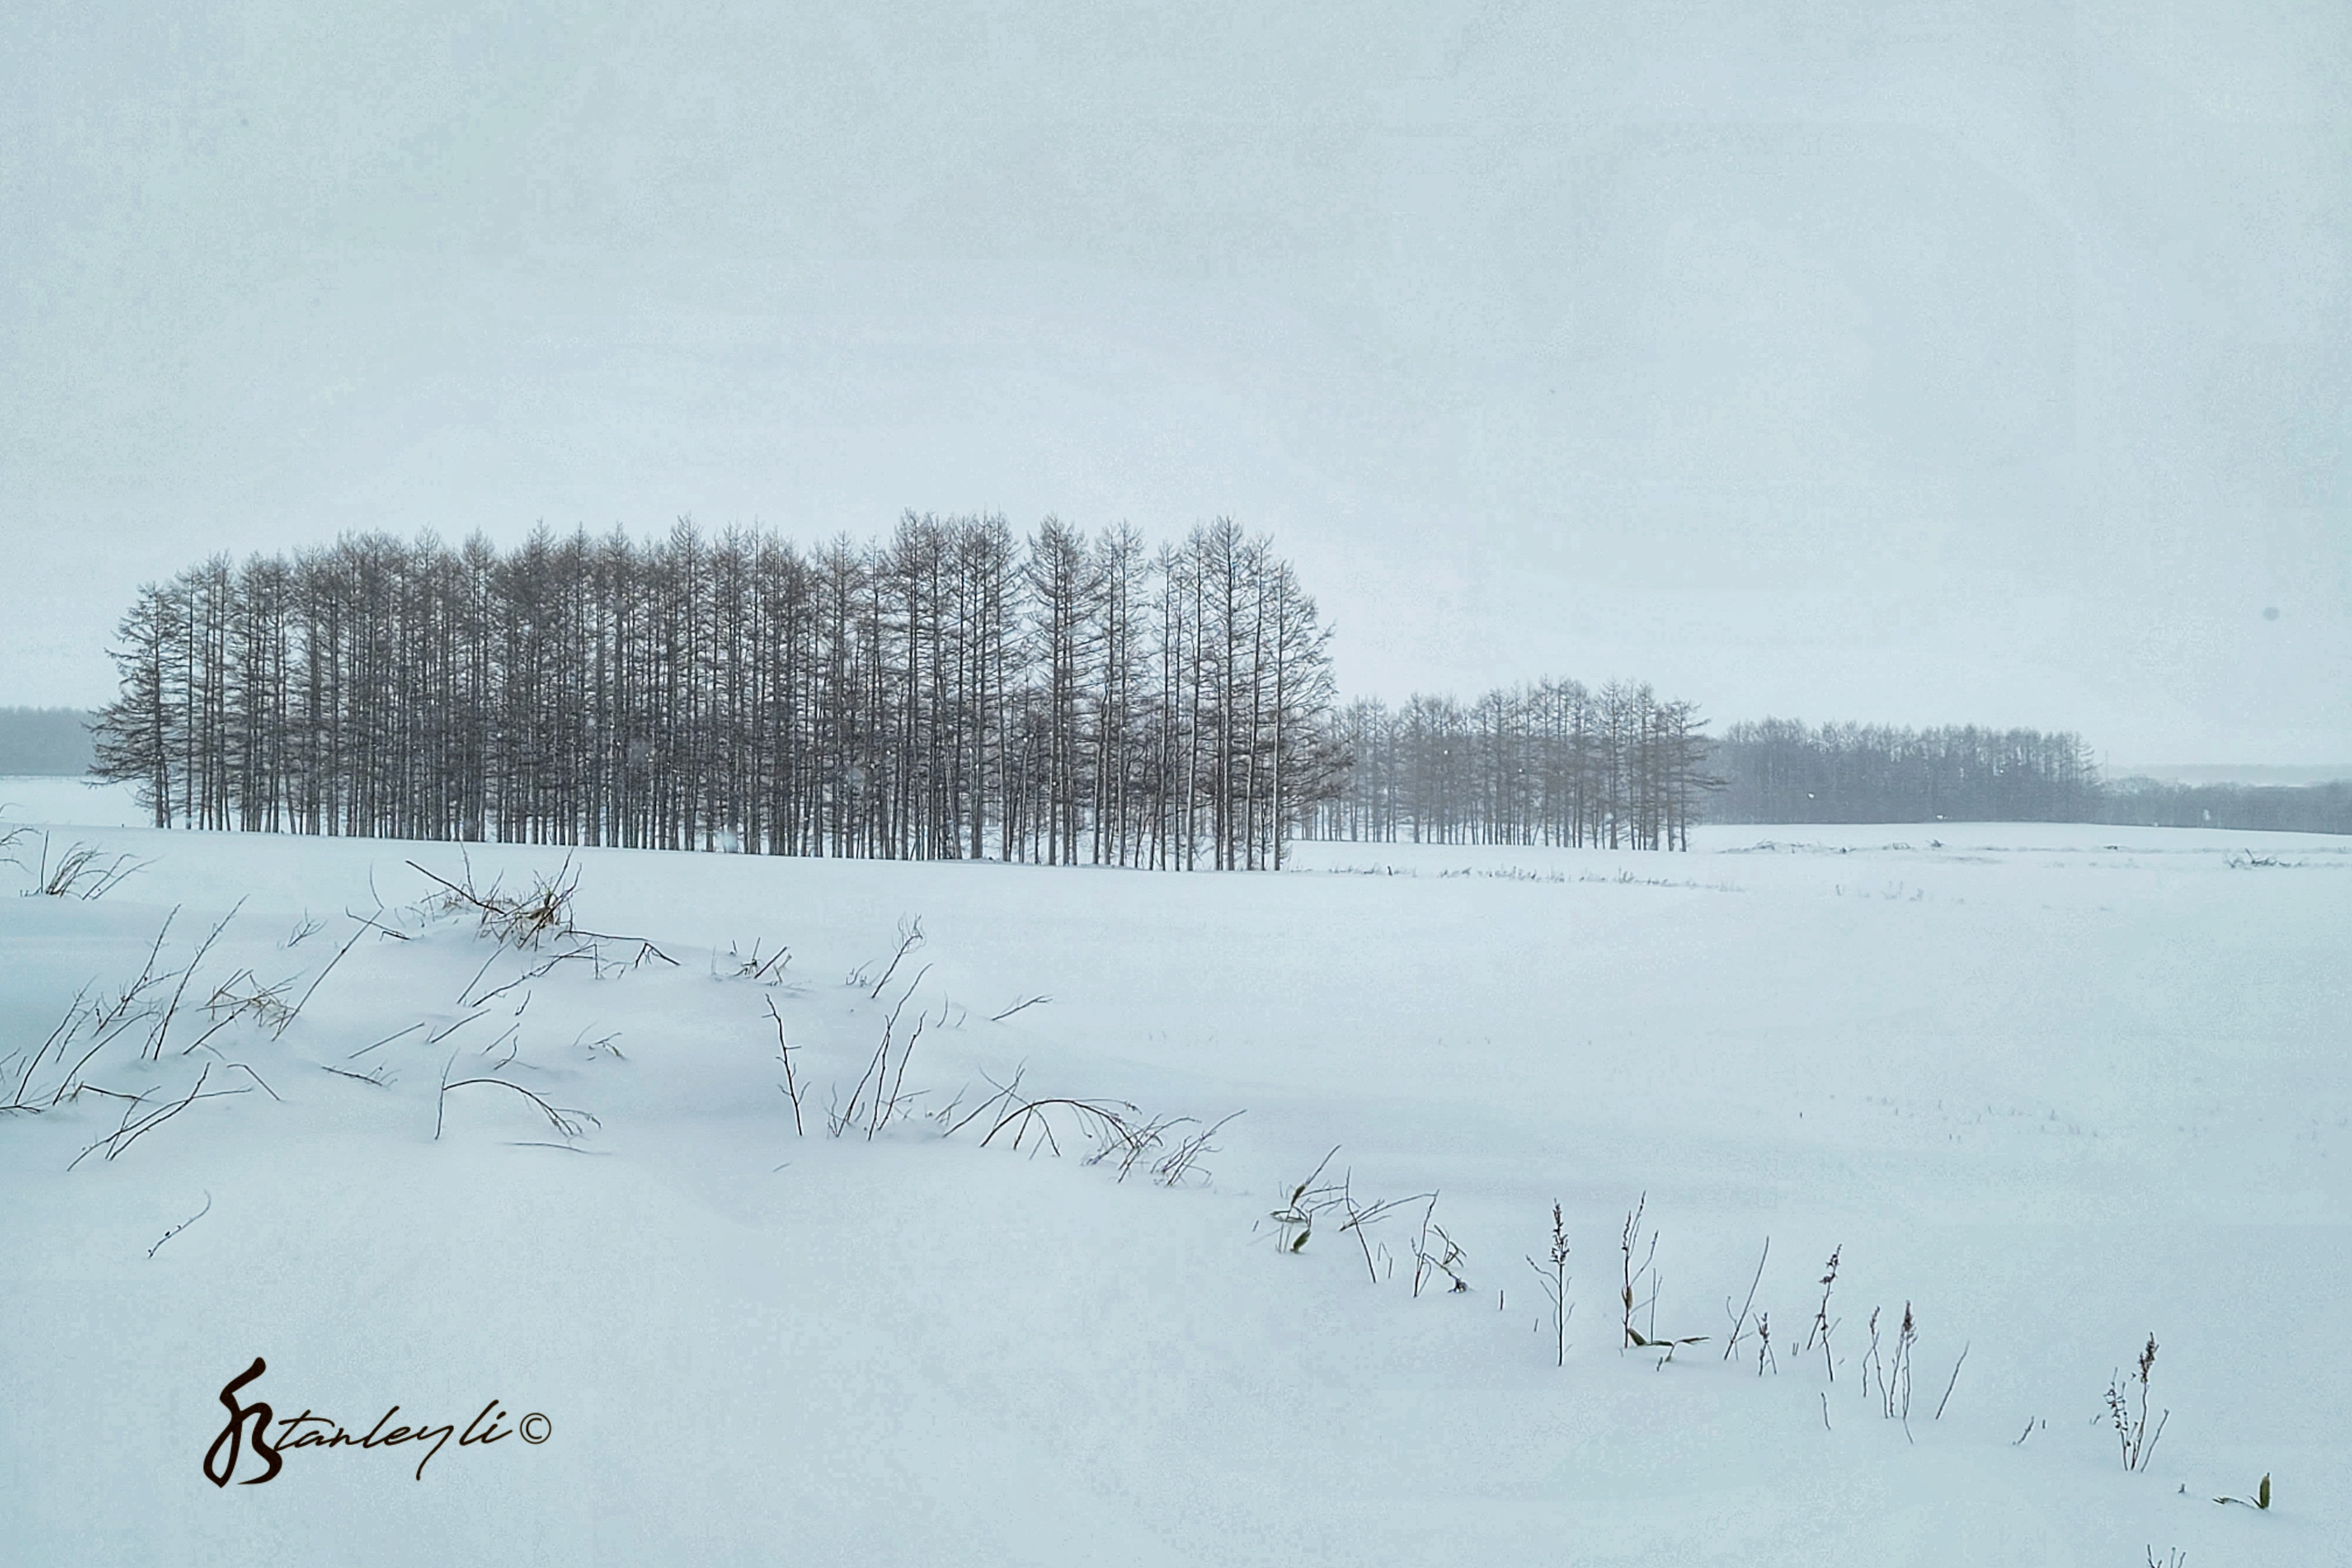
{"x": 2282, "y": 808}
{"x": 1779, "y": 770}
{"x": 952, "y": 691}
{"x": 1524, "y": 766}
{"x": 53, "y": 742}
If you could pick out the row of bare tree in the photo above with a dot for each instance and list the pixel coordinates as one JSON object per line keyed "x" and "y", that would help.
{"x": 1782, "y": 771}
{"x": 951, "y": 692}
{"x": 1553, "y": 763}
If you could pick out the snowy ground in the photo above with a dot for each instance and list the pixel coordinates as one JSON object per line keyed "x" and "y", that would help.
{"x": 2055, "y": 1087}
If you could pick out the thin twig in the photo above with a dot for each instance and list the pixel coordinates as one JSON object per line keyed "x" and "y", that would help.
{"x": 559, "y": 1119}
{"x": 910, "y": 936}
{"x": 155, "y": 1042}
{"x": 792, "y": 1084}
{"x": 646, "y": 949}
{"x": 199, "y": 1213}
{"x": 1179, "y": 1163}
{"x": 66, "y": 1084}
{"x": 380, "y": 929}
{"x": 128, "y": 1134}
{"x": 441, "y": 1100}
{"x": 73, "y": 1013}
{"x": 883, "y": 1112}
{"x": 1005, "y": 1092}
{"x": 249, "y": 1073}
{"x": 387, "y": 1040}
{"x": 1740, "y": 1322}
{"x": 539, "y": 973}
{"x": 464, "y": 894}
{"x": 466, "y": 989}
{"x": 1947, "y": 1386}
{"x": 307, "y": 994}
{"x": 438, "y": 1036}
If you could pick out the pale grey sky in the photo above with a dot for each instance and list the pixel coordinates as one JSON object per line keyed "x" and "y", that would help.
{"x": 1921, "y": 362}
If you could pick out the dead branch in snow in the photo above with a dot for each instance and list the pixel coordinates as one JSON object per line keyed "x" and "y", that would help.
{"x": 569, "y": 1123}
{"x": 791, "y": 1084}
{"x": 1029, "y": 1002}
{"x": 910, "y": 936}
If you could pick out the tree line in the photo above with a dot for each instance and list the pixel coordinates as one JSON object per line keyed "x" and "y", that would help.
{"x": 953, "y": 690}
{"x": 949, "y": 691}
{"x": 44, "y": 740}
{"x": 2279, "y": 808}
{"x": 1550, "y": 763}
{"x": 1782, "y": 771}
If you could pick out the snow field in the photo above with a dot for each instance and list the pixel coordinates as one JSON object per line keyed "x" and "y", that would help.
{"x": 2055, "y": 1086}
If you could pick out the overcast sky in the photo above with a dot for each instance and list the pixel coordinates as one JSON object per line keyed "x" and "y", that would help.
{"x": 1966, "y": 363}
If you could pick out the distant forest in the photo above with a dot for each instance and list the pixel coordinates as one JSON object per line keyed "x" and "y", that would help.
{"x": 2282, "y": 808}
{"x": 952, "y": 691}
{"x": 1557, "y": 764}
{"x": 1553, "y": 763}
{"x": 1779, "y": 770}
{"x": 44, "y": 740}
